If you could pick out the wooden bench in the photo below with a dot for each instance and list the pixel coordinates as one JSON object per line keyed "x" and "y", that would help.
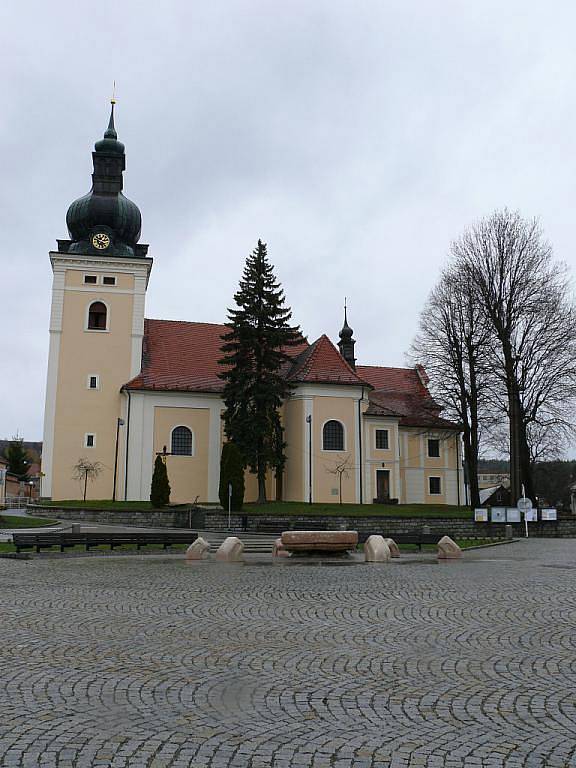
{"x": 319, "y": 541}
{"x": 64, "y": 539}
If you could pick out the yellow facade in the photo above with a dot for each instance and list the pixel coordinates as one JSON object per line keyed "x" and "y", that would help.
{"x": 188, "y": 475}
{"x": 85, "y": 353}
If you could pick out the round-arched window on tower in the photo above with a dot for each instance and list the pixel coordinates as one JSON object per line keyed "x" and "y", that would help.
{"x": 333, "y": 436}
{"x": 181, "y": 441}
{"x": 97, "y": 316}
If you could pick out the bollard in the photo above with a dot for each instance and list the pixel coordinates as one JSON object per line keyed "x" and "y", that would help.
{"x": 507, "y": 531}
{"x": 426, "y": 530}
{"x": 75, "y": 528}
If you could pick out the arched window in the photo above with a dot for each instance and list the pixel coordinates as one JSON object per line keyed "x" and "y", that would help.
{"x": 333, "y": 436}
{"x": 97, "y": 316}
{"x": 181, "y": 441}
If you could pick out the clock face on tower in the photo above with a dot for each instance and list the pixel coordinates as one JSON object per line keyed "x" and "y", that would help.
{"x": 101, "y": 241}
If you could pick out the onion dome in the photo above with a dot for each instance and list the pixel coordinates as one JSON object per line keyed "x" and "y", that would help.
{"x": 105, "y": 221}
{"x": 346, "y": 344}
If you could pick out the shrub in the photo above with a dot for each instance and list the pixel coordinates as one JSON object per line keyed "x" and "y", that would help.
{"x": 160, "y": 490}
{"x": 231, "y": 471}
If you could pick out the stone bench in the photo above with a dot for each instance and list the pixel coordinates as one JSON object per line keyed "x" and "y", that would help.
{"x": 319, "y": 541}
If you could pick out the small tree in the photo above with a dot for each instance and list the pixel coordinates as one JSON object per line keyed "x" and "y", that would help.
{"x": 17, "y": 457}
{"x": 341, "y": 468}
{"x": 160, "y": 489}
{"x": 231, "y": 472}
{"x": 86, "y": 470}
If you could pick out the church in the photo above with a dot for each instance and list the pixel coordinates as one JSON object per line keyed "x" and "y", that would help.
{"x": 122, "y": 388}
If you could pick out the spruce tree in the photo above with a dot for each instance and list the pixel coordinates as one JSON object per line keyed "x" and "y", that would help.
{"x": 231, "y": 472}
{"x": 17, "y": 457}
{"x": 255, "y": 353}
{"x": 160, "y": 490}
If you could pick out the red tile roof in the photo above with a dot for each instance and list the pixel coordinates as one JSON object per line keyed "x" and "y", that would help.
{"x": 321, "y": 363}
{"x": 180, "y": 356}
{"x": 405, "y": 380}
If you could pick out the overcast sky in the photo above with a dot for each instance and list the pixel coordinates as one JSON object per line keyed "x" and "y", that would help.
{"x": 356, "y": 138}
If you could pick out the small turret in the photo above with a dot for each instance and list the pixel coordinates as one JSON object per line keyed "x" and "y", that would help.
{"x": 347, "y": 343}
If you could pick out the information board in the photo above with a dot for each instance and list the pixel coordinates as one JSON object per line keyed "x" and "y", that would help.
{"x": 481, "y": 515}
{"x": 513, "y": 515}
{"x": 498, "y": 514}
{"x": 549, "y": 514}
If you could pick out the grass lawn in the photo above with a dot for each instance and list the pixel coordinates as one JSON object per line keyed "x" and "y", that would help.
{"x": 145, "y": 506}
{"x": 287, "y": 508}
{"x": 15, "y": 521}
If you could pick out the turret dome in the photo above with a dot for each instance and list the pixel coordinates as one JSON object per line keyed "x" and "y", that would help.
{"x": 105, "y": 210}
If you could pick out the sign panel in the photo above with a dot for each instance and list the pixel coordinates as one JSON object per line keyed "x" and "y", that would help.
{"x": 549, "y": 514}
{"x": 524, "y": 504}
{"x": 531, "y": 515}
{"x": 513, "y": 515}
{"x": 498, "y": 515}
{"x": 481, "y": 515}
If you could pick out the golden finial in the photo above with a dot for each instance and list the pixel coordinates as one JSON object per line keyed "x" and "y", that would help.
{"x": 113, "y": 99}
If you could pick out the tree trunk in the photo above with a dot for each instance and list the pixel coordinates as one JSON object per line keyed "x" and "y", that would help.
{"x": 261, "y": 471}
{"x": 525, "y": 461}
{"x": 85, "y": 484}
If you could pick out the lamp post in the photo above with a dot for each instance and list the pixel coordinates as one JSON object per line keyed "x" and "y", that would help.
{"x": 119, "y": 423}
{"x": 309, "y": 422}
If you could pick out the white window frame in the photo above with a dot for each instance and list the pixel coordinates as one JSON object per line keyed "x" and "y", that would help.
{"x": 430, "y": 491}
{"x": 330, "y": 450}
{"x": 109, "y": 277}
{"x": 381, "y": 429}
{"x": 86, "y": 436}
{"x": 184, "y": 455}
{"x": 93, "y": 376}
{"x": 428, "y": 448}
{"x": 90, "y": 274}
{"x": 87, "y": 314}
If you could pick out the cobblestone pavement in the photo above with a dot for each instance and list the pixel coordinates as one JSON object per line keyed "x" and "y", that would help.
{"x": 154, "y": 662}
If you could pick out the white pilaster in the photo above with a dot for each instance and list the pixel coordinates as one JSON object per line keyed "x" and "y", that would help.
{"x": 56, "y": 313}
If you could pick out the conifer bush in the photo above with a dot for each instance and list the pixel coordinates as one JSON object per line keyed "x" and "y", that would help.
{"x": 160, "y": 490}
{"x": 231, "y": 471}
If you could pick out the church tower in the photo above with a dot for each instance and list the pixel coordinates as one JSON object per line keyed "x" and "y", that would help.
{"x": 346, "y": 344}
{"x": 96, "y": 331}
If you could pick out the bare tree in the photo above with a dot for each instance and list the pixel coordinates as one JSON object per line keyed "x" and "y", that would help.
{"x": 524, "y": 296}
{"x": 341, "y": 467}
{"x": 452, "y": 344}
{"x": 85, "y": 470}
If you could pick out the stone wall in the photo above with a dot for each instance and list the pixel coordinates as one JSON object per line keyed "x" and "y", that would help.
{"x": 184, "y": 517}
{"x": 210, "y": 518}
{"x": 388, "y": 526}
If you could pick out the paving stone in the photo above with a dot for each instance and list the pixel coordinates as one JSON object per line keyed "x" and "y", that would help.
{"x": 134, "y": 663}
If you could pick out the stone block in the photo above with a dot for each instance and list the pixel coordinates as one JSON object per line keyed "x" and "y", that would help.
{"x": 376, "y": 550}
{"x": 319, "y": 541}
{"x": 393, "y": 547}
{"x": 448, "y": 549}
{"x": 230, "y": 551}
{"x": 278, "y": 549}
{"x": 197, "y": 549}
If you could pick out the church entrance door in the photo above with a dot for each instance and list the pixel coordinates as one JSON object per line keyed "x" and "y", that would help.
{"x": 383, "y": 484}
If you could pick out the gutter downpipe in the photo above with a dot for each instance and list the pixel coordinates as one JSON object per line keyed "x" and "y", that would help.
{"x": 360, "y": 446}
{"x": 127, "y": 445}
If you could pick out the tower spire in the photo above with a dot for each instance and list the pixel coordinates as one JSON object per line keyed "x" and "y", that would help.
{"x": 111, "y": 130}
{"x": 347, "y": 343}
